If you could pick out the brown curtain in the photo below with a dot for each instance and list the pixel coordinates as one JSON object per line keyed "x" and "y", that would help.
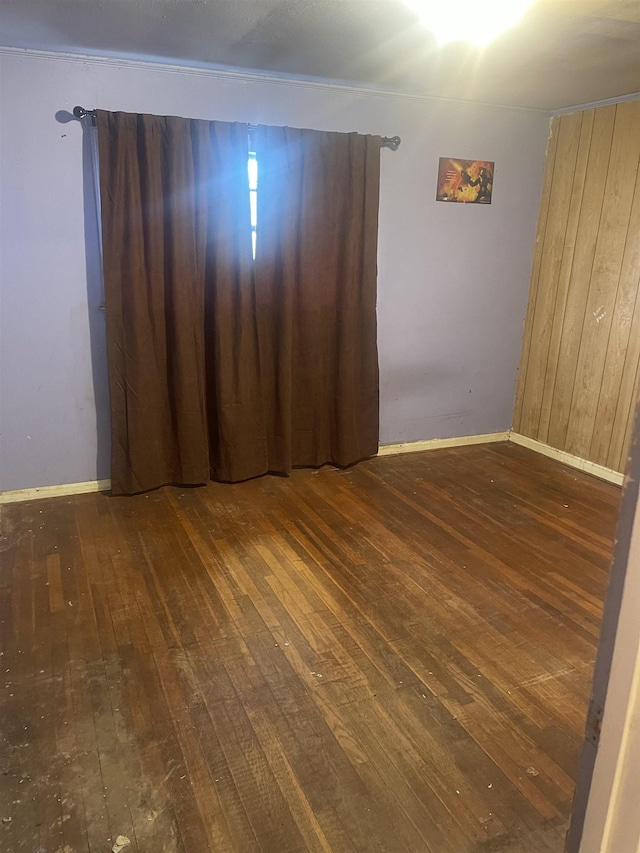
{"x": 316, "y": 284}
{"x": 218, "y": 367}
{"x": 177, "y": 252}
{"x": 237, "y": 439}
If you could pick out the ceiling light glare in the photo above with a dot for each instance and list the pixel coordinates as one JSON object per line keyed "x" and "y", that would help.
{"x": 475, "y": 21}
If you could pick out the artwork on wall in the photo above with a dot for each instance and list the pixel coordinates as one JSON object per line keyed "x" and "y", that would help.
{"x": 465, "y": 181}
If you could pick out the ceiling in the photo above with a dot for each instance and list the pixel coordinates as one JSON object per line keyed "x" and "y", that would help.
{"x": 563, "y": 53}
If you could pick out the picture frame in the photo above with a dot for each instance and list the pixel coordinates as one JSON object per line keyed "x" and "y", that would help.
{"x": 465, "y": 181}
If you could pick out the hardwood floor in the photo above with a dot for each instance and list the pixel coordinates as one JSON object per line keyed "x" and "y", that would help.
{"x": 392, "y": 658}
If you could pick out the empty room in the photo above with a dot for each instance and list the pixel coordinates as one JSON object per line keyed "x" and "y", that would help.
{"x": 319, "y": 460}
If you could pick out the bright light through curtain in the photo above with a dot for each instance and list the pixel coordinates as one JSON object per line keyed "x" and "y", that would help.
{"x": 222, "y": 367}
{"x": 186, "y": 403}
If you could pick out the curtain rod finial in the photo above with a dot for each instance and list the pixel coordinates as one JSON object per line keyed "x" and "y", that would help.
{"x": 80, "y": 113}
{"x": 392, "y": 142}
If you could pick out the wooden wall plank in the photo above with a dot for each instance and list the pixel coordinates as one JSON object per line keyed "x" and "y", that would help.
{"x": 562, "y": 181}
{"x": 535, "y": 272}
{"x": 582, "y": 264}
{"x": 564, "y": 276}
{"x": 626, "y": 442}
{"x": 605, "y": 275}
{"x": 624, "y": 346}
{"x": 577, "y": 382}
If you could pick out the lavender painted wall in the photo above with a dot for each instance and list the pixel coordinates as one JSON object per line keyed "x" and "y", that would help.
{"x": 453, "y": 279}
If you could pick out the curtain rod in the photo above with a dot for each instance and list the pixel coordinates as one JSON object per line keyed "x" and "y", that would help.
{"x": 392, "y": 142}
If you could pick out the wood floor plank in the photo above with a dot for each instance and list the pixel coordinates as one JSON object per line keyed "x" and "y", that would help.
{"x": 396, "y": 657}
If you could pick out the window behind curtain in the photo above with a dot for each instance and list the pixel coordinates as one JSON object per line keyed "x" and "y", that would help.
{"x": 253, "y": 197}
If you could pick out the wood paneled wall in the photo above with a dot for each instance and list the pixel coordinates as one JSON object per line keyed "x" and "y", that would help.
{"x": 579, "y": 372}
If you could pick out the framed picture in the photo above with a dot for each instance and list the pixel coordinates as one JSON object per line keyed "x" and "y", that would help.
{"x": 465, "y": 181}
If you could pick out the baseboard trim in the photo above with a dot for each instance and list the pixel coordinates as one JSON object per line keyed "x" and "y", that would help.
{"x": 600, "y": 471}
{"x": 441, "y": 443}
{"x": 54, "y": 491}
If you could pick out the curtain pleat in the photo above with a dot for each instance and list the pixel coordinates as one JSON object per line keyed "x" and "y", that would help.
{"x": 167, "y": 191}
{"x": 221, "y": 367}
{"x": 237, "y": 441}
{"x": 316, "y": 270}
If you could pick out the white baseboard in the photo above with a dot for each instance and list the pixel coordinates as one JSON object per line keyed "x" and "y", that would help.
{"x": 440, "y": 443}
{"x": 600, "y": 471}
{"x": 384, "y": 450}
{"x": 55, "y": 491}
